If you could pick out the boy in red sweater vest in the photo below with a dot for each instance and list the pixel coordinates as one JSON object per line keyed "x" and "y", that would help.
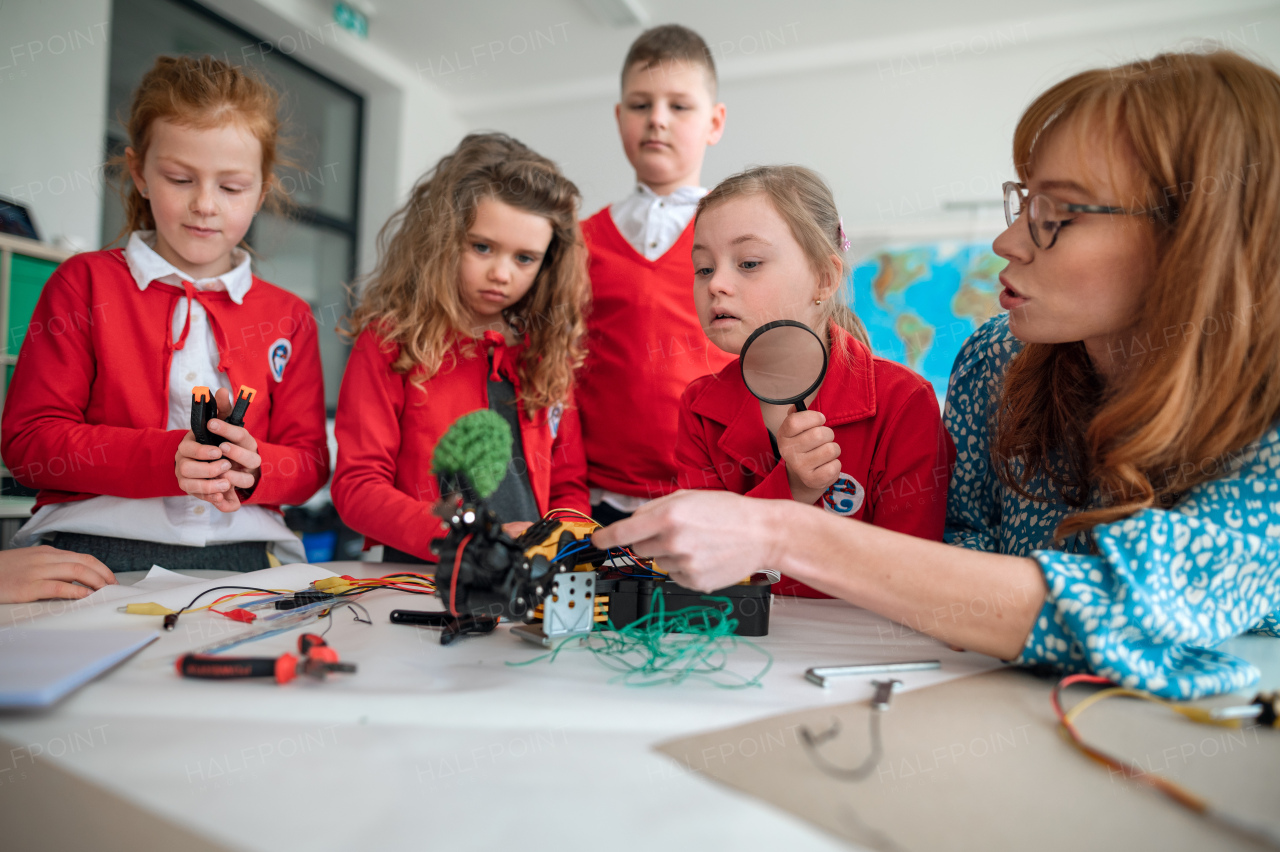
{"x": 644, "y": 340}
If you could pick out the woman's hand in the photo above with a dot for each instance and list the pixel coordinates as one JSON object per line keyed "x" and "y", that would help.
{"x": 705, "y": 540}
{"x": 41, "y": 572}
{"x": 215, "y": 473}
{"x": 809, "y": 449}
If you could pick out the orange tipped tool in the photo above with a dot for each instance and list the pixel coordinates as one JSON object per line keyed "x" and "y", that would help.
{"x": 203, "y": 409}
{"x": 241, "y": 408}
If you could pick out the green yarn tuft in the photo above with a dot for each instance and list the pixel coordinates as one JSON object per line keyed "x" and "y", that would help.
{"x": 477, "y": 447}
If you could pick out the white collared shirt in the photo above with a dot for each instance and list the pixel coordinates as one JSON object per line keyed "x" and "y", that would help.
{"x": 174, "y": 520}
{"x": 652, "y": 223}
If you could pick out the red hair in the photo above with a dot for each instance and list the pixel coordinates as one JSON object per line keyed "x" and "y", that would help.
{"x": 199, "y": 92}
{"x": 1198, "y": 135}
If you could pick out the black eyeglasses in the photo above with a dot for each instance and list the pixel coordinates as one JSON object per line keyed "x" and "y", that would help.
{"x": 1048, "y": 214}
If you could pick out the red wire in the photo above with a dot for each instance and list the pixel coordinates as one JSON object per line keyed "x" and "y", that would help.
{"x": 1055, "y": 696}
{"x": 453, "y": 581}
{"x": 1183, "y": 797}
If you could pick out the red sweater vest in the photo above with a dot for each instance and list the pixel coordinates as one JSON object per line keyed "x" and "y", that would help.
{"x": 645, "y": 345}
{"x": 87, "y": 410}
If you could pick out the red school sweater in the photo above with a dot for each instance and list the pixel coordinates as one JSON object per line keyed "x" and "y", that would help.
{"x": 87, "y": 410}
{"x": 387, "y": 430}
{"x": 644, "y": 346}
{"x": 895, "y": 454}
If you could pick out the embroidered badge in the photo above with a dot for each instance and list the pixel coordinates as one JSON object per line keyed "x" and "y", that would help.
{"x": 553, "y": 419}
{"x": 844, "y": 497}
{"x": 278, "y": 357}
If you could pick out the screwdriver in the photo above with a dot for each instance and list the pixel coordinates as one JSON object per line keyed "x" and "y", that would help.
{"x": 1264, "y": 710}
{"x": 318, "y": 659}
{"x": 283, "y": 668}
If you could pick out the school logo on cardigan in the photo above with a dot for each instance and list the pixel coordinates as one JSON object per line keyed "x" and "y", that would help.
{"x": 278, "y": 357}
{"x": 844, "y": 497}
{"x": 553, "y": 419}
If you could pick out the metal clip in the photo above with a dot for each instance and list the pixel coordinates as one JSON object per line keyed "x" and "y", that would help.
{"x": 884, "y": 691}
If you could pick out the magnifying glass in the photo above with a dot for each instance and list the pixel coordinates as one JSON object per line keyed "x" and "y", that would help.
{"x": 783, "y": 362}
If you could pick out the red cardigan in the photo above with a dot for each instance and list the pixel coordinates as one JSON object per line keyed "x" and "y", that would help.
{"x": 644, "y": 346}
{"x": 87, "y": 410}
{"x": 387, "y": 430}
{"x": 895, "y": 454}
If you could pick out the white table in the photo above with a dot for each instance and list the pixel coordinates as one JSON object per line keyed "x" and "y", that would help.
{"x": 425, "y": 746}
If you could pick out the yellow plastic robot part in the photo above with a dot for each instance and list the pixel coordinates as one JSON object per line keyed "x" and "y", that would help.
{"x": 600, "y": 614}
{"x": 550, "y": 545}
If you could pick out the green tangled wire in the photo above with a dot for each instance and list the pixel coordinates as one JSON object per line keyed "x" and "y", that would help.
{"x": 645, "y": 653}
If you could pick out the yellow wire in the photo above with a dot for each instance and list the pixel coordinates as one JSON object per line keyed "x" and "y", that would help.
{"x": 1195, "y": 714}
{"x": 152, "y": 608}
{"x": 583, "y": 515}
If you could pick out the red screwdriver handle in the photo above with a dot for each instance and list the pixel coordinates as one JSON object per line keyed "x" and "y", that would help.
{"x": 283, "y": 668}
{"x": 308, "y": 641}
{"x": 323, "y": 655}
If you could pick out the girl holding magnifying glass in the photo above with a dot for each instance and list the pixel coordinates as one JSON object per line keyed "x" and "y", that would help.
{"x": 863, "y": 441}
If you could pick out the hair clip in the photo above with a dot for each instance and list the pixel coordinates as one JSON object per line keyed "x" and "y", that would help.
{"x": 844, "y": 238}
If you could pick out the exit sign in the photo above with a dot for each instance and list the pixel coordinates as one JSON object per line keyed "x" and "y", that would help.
{"x": 351, "y": 19}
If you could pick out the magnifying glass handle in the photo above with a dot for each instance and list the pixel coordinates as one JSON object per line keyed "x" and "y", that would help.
{"x": 800, "y": 406}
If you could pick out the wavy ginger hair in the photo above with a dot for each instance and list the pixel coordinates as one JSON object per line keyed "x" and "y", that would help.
{"x": 413, "y": 297}
{"x": 1198, "y": 137}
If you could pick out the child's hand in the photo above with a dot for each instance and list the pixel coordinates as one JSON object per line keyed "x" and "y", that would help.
{"x": 514, "y": 528}
{"x": 811, "y": 454}
{"x": 42, "y": 572}
{"x": 215, "y": 474}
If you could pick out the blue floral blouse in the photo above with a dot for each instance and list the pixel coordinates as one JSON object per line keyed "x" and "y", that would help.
{"x": 1143, "y": 600}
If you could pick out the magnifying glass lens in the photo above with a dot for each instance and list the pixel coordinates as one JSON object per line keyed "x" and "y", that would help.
{"x": 783, "y": 362}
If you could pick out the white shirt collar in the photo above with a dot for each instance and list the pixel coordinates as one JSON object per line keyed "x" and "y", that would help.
{"x": 147, "y": 266}
{"x": 679, "y": 196}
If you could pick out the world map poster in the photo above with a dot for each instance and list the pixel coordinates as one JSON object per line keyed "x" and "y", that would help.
{"x": 920, "y": 302}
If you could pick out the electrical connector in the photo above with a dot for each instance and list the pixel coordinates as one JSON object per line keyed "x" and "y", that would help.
{"x": 145, "y": 609}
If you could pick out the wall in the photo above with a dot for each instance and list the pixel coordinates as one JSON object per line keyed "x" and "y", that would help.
{"x": 408, "y": 123}
{"x": 53, "y": 95}
{"x": 900, "y": 128}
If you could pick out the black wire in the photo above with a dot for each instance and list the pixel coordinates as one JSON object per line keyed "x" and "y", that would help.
{"x": 220, "y": 588}
{"x": 351, "y": 605}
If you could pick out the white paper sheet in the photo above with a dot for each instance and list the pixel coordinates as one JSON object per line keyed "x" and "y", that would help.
{"x": 38, "y": 667}
{"x": 157, "y": 580}
{"x": 293, "y": 577}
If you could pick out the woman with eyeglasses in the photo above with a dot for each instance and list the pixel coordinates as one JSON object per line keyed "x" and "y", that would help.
{"x": 1115, "y": 505}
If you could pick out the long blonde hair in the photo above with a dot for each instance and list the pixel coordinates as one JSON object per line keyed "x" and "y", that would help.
{"x": 1203, "y": 131}
{"x": 413, "y": 300}
{"x": 805, "y": 203}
